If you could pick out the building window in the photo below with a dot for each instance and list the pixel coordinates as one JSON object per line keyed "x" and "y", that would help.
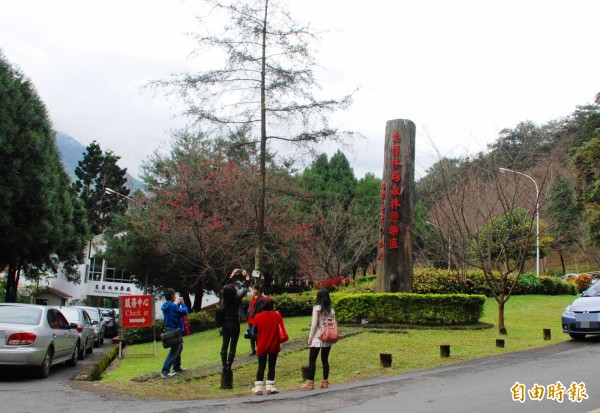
{"x": 95, "y": 269}
{"x": 109, "y": 274}
{"x": 117, "y": 275}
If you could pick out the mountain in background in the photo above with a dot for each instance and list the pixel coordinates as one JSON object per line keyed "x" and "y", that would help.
{"x": 71, "y": 151}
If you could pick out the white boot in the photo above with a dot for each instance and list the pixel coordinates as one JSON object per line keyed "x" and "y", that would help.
{"x": 271, "y": 387}
{"x": 258, "y": 387}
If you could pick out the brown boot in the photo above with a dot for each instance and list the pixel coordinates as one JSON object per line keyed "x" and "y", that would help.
{"x": 309, "y": 385}
{"x": 324, "y": 384}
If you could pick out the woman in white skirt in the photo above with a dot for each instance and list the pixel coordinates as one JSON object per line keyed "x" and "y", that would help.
{"x": 321, "y": 311}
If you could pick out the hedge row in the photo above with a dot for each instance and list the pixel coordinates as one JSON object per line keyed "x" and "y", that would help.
{"x": 93, "y": 371}
{"x": 422, "y": 309}
{"x": 440, "y": 282}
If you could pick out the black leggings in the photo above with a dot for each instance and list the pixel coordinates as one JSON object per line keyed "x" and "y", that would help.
{"x": 312, "y": 362}
{"x": 262, "y": 364}
{"x": 231, "y": 334}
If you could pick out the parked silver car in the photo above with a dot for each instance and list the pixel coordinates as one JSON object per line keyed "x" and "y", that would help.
{"x": 582, "y": 316}
{"x": 98, "y": 322}
{"x": 85, "y": 328}
{"x": 36, "y": 336}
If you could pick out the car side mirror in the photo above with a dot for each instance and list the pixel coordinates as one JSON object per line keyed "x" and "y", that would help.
{"x": 95, "y": 322}
{"x": 73, "y": 326}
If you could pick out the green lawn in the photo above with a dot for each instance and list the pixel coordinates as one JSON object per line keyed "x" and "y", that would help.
{"x": 352, "y": 358}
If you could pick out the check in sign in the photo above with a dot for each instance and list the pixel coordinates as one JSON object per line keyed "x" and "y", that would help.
{"x": 136, "y": 311}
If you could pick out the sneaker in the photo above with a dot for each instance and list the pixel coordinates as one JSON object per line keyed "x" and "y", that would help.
{"x": 168, "y": 375}
{"x": 252, "y": 353}
{"x": 180, "y": 369}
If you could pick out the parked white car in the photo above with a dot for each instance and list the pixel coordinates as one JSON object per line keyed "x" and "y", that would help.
{"x": 36, "y": 336}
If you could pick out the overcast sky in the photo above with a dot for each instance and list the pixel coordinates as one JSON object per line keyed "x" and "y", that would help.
{"x": 461, "y": 70}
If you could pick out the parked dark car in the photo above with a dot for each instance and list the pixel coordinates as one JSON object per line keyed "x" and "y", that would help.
{"x": 36, "y": 336}
{"x": 112, "y": 323}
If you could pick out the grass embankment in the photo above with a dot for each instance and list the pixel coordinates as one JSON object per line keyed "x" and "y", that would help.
{"x": 352, "y": 358}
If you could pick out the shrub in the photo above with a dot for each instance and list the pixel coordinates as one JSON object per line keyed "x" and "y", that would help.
{"x": 333, "y": 283}
{"x": 290, "y": 304}
{"x": 365, "y": 279}
{"x": 428, "y": 309}
{"x": 428, "y": 281}
{"x": 583, "y": 282}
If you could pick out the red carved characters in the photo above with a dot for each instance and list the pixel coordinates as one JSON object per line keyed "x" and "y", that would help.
{"x": 393, "y": 203}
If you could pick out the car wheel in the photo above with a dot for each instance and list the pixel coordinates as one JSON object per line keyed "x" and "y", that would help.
{"x": 89, "y": 349}
{"x": 75, "y": 356}
{"x": 102, "y": 340}
{"x": 577, "y": 336}
{"x": 82, "y": 350}
{"x": 44, "y": 369}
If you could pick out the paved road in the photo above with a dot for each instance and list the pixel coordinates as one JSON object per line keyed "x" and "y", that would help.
{"x": 478, "y": 386}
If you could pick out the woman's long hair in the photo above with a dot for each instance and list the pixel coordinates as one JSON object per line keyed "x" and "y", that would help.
{"x": 228, "y": 295}
{"x": 324, "y": 300}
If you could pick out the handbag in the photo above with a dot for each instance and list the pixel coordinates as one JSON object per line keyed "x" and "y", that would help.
{"x": 330, "y": 331}
{"x": 283, "y": 335}
{"x": 171, "y": 338}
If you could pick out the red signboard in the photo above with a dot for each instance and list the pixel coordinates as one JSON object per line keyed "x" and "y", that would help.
{"x": 136, "y": 311}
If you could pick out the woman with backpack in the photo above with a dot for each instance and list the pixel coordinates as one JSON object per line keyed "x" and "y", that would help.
{"x": 321, "y": 311}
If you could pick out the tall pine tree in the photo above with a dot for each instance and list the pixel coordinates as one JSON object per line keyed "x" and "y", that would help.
{"x": 40, "y": 222}
{"x": 97, "y": 175}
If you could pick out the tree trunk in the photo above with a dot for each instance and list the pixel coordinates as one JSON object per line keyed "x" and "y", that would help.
{"x": 395, "y": 257}
{"x": 198, "y": 295}
{"x": 501, "y": 326}
{"x": 187, "y": 300}
{"x": 12, "y": 283}
{"x": 260, "y": 224}
{"x": 562, "y": 261}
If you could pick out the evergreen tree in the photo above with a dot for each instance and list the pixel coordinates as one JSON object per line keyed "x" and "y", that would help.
{"x": 39, "y": 219}
{"x": 587, "y": 168}
{"x": 98, "y": 174}
{"x": 562, "y": 207}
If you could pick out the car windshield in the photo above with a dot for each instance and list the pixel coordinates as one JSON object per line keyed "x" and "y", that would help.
{"x": 93, "y": 313}
{"x": 20, "y": 315}
{"x": 107, "y": 313}
{"x": 70, "y": 314}
{"x": 593, "y": 291}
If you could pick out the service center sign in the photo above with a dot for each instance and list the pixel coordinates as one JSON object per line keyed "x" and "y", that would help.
{"x": 136, "y": 311}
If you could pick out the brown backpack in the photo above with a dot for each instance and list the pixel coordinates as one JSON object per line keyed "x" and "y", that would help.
{"x": 330, "y": 331}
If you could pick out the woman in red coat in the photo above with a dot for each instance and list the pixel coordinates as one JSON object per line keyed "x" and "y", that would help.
{"x": 268, "y": 345}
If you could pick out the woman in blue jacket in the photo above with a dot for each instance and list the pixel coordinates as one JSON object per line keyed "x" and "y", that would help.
{"x": 173, "y": 315}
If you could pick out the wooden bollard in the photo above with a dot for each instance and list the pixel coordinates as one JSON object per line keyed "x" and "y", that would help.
{"x": 385, "y": 359}
{"x": 499, "y": 343}
{"x": 304, "y": 370}
{"x": 547, "y": 334}
{"x": 445, "y": 350}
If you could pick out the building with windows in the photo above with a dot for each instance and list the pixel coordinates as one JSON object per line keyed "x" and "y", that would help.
{"x": 101, "y": 284}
